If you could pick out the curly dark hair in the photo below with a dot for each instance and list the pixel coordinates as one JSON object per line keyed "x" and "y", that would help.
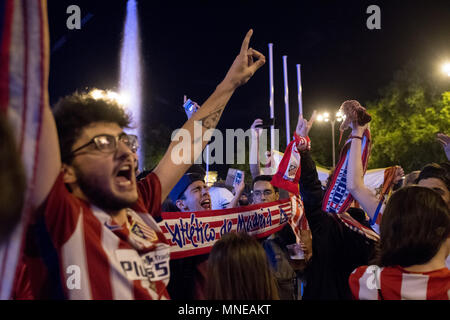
{"x": 75, "y": 112}
{"x": 416, "y": 221}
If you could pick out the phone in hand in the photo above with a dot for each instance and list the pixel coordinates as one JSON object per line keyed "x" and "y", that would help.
{"x": 238, "y": 177}
{"x": 234, "y": 176}
{"x": 188, "y": 105}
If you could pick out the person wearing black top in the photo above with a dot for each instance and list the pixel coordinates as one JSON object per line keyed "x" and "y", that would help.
{"x": 336, "y": 249}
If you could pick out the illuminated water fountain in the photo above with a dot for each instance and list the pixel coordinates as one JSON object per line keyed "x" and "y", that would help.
{"x": 130, "y": 74}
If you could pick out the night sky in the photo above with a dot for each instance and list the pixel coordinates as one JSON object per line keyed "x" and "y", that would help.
{"x": 188, "y": 46}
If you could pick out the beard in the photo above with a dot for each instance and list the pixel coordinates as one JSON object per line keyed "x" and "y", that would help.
{"x": 98, "y": 196}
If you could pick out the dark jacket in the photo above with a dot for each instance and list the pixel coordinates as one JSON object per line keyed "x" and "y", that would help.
{"x": 337, "y": 250}
{"x": 188, "y": 278}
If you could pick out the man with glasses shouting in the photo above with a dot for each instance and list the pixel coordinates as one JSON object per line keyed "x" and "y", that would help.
{"x": 94, "y": 235}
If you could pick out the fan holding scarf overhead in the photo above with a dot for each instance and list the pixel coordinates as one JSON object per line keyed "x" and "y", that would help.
{"x": 337, "y": 245}
{"x": 338, "y": 197}
{"x": 347, "y": 183}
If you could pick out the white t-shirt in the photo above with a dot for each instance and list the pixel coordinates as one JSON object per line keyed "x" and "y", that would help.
{"x": 220, "y": 198}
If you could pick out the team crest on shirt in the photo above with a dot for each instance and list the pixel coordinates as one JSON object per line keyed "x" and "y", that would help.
{"x": 141, "y": 229}
{"x": 137, "y": 231}
{"x": 144, "y": 232}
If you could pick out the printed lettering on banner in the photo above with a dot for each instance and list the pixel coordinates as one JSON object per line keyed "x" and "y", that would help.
{"x": 192, "y": 233}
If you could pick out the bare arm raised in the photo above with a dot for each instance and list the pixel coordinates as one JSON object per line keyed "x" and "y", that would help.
{"x": 49, "y": 159}
{"x": 355, "y": 174}
{"x": 445, "y": 142}
{"x": 244, "y": 66}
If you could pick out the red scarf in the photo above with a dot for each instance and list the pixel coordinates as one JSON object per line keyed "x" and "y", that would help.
{"x": 288, "y": 174}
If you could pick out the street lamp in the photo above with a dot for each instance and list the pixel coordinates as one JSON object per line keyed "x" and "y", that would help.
{"x": 446, "y": 68}
{"x": 326, "y": 118}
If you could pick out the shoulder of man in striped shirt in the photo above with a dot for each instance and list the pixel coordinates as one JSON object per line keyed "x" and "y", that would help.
{"x": 396, "y": 283}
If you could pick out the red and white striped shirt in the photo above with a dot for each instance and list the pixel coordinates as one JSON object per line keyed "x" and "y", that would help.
{"x": 83, "y": 254}
{"x": 396, "y": 283}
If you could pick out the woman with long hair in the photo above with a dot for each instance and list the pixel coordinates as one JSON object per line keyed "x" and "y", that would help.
{"x": 238, "y": 270}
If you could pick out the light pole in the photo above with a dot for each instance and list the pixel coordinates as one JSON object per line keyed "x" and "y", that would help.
{"x": 326, "y": 118}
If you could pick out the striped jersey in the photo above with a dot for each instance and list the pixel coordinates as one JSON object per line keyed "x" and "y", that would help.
{"x": 396, "y": 283}
{"x": 76, "y": 251}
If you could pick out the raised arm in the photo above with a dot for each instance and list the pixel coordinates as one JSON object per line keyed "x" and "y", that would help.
{"x": 254, "y": 148}
{"x": 355, "y": 174}
{"x": 445, "y": 142}
{"x": 238, "y": 189}
{"x": 49, "y": 159}
{"x": 244, "y": 66}
{"x": 310, "y": 185}
{"x": 48, "y": 165}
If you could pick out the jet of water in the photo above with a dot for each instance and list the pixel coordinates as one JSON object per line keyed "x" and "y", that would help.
{"x": 130, "y": 74}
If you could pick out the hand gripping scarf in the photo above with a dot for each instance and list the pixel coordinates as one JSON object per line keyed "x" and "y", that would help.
{"x": 287, "y": 176}
{"x": 338, "y": 199}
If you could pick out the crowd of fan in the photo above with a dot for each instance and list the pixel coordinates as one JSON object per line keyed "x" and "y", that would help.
{"x": 88, "y": 205}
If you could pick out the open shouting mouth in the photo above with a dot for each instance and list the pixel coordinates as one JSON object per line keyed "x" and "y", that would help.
{"x": 124, "y": 175}
{"x": 206, "y": 204}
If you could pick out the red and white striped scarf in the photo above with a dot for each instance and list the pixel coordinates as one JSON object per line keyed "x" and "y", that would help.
{"x": 355, "y": 226}
{"x": 288, "y": 172}
{"x": 337, "y": 198}
{"x": 194, "y": 233}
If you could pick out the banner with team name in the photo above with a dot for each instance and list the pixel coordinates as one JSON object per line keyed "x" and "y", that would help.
{"x": 194, "y": 233}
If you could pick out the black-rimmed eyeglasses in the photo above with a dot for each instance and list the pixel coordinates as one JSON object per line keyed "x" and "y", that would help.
{"x": 108, "y": 143}
{"x": 266, "y": 193}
